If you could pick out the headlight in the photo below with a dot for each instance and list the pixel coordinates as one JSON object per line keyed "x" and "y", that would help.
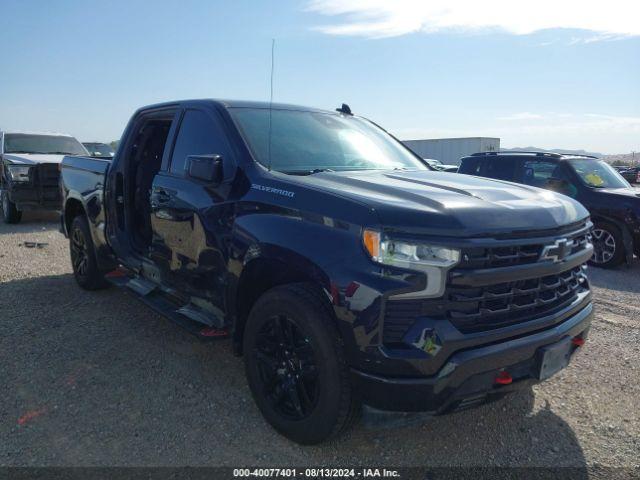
{"x": 18, "y": 173}
{"x": 434, "y": 260}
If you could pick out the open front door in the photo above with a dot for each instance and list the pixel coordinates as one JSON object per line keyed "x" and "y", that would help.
{"x": 129, "y": 179}
{"x": 189, "y": 208}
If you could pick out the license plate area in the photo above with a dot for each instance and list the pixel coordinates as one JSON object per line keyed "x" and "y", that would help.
{"x": 553, "y": 358}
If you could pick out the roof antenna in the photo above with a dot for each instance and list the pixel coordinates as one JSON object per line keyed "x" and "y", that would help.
{"x": 273, "y": 44}
{"x": 344, "y": 109}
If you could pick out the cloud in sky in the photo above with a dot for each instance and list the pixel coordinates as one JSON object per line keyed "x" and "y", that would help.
{"x": 521, "y": 116}
{"x": 390, "y": 18}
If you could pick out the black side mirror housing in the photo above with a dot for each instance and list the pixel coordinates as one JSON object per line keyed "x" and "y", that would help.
{"x": 207, "y": 168}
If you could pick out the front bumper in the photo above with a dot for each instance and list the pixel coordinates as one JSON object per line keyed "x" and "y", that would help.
{"x": 468, "y": 376}
{"x": 41, "y": 192}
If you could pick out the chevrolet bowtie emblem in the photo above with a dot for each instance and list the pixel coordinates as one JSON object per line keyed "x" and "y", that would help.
{"x": 558, "y": 251}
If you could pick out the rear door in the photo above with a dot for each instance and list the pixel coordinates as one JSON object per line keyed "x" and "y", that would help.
{"x": 191, "y": 218}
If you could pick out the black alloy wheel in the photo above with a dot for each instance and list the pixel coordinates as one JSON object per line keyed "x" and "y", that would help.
{"x": 83, "y": 256}
{"x": 79, "y": 252}
{"x": 295, "y": 364}
{"x": 287, "y": 365}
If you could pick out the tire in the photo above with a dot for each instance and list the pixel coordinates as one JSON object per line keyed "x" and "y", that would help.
{"x": 608, "y": 244}
{"x": 83, "y": 256}
{"x": 10, "y": 213}
{"x": 314, "y": 371}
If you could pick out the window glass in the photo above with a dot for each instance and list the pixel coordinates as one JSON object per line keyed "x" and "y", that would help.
{"x": 598, "y": 174}
{"x": 300, "y": 142}
{"x": 538, "y": 172}
{"x": 500, "y": 168}
{"x": 42, "y": 144}
{"x": 198, "y": 135}
{"x": 470, "y": 166}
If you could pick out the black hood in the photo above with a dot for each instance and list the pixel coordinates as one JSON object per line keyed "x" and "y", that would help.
{"x": 451, "y": 203}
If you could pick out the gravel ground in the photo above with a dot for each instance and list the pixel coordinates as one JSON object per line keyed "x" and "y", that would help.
{"x": 99, "y": 379}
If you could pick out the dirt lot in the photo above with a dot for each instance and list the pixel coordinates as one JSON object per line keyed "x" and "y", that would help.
{"x": 99, "y": 379}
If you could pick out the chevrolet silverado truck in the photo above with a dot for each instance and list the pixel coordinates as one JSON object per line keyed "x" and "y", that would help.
{"x": 29, "y": 164}
{"x": 341, "y": 266}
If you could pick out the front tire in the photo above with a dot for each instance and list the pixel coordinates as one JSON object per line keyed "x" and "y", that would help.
{"x": 83, "y": 256}
{"x": 608, "y": 245}
{"x": 10, "y": 213}
{"x": 295, "y": 365}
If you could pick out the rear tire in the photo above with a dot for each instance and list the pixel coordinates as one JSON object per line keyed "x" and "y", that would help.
{"x": 295, "y": 365}
{"x": 83, "y": 256}
{"x": 608, "y": 245}
{"x": 10, "y": 213}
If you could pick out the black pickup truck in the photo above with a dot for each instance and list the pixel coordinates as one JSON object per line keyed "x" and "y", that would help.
{"x": 342, "y": 267}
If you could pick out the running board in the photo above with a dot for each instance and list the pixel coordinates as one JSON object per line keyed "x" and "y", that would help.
{"x": 141, "y": 286}
{"x": 204, "y": 325}
{"x": 198, "y": 315}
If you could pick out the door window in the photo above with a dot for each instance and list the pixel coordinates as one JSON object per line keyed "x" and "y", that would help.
{"x": 500, "y": 168}
{"x": 199, "y": 134}
{"x": 538, "y": 172}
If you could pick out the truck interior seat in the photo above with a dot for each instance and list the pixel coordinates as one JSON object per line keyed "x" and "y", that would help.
{"x": 147, "y": 163}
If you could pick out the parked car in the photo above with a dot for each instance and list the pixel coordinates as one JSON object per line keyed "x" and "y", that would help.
{"x": 339, "y": 263}
{"x": 631, "y": 174}
{"x": 438, "y": 165}
{"x": 97, "y": 149}
{"x": 29, "y": 164}
{"x": 613, "y": 204}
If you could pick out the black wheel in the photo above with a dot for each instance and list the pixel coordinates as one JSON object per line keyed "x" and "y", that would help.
{"x": 10, "y": 213}
{"x": 295, "y": 365}
{"x": 83, "y": 256}
{"x": 608, "y": 245}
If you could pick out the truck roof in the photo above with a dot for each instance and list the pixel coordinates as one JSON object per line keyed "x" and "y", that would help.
{"x": 22, "y": 132}
{"x": 237, "y": 104}
{"x": 559, "y": 156}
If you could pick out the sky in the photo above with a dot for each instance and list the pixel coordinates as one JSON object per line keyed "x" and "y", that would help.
{"x": 550, "y": 74}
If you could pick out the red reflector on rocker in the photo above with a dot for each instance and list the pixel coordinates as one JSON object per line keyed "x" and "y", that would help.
{"x": 213, "y": 332}
{"x": 503, "y": 378}
{"x": 577, "y": 341}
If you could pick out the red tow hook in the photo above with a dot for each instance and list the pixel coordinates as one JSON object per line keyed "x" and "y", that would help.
{"x": 578, "y": 341}
{"x": 503, "y": 378}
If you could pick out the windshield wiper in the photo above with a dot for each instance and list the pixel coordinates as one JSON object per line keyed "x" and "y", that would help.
{"x": 307, "y": 172}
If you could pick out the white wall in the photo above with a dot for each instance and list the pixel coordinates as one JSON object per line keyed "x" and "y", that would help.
{"x": 451, "y": 150}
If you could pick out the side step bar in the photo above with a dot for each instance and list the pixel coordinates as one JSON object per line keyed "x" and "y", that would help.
{"x": 188, "y": 316}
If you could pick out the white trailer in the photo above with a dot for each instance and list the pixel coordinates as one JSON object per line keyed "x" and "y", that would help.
{"x": 450, "y": 150}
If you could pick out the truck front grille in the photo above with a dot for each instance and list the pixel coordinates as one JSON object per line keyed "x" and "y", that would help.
{"x": 476, "y": 309}
{"x": 494, "y": 257}
{"x": 47, "y": 175}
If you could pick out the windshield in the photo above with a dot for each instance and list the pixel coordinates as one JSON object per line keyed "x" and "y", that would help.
{"x": 306, "y": 142}
{"x": 99, "y": 149}
{"x": 598, "y": 174}
{"x": 44, "y": 144}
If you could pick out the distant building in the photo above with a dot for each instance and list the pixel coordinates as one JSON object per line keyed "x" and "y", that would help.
{"x": 451, "y": 150}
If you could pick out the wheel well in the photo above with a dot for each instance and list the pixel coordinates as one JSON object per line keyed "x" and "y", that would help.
{"x": 257, "y": 277}
{"x": 72, "y": 209}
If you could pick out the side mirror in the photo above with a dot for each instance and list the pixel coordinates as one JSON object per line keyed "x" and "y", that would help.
{"x": 207, "y": 168}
